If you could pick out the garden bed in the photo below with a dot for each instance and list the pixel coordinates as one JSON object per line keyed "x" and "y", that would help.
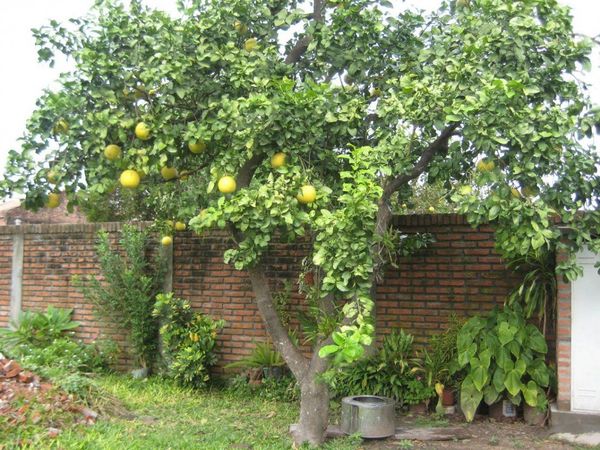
{"x": 162, "y": 415}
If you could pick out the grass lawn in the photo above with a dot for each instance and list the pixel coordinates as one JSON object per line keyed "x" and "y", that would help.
{"x": 164, "y": 416}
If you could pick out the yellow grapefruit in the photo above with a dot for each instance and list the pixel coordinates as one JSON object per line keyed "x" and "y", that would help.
{"x": 53, "y": 200}
{"x": 278, "y": 160}
{"x": 197, "y": 146}
{"x": 180, "y": 226}
{"x": 61, "y": 127}
{"x": 307, "y": 194}
{"x": 112, "y": 152}
{"x": 250, "y": 44}
{"x": 142, "y": 131}
{"x": 130, "y": 179}
{"x": 227, "y": 185}
{"x": 168, "y": 173}
{"x": 166, "y": 240}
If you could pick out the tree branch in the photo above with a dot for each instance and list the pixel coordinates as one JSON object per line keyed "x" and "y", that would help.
{"x": 297, "y": 363}
{"x": 302, "y": 44}
{"x": 246, "y": 172}
{"x": 422, "y": 163}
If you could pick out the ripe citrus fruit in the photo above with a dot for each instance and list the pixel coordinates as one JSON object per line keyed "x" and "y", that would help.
{"x": 278, "y": 160}
{"x": 129, "y": 179}
{"x": 112, "y": 152}
{"x": 52, "y": 176}
{"x": 142, "y": 131}
{"x": 53, "y": 200}
{"x": 465, "y": 190}
{"x": 250, "y": 44}
{"x": 197, "y": 146}
{"x": 485, "y": 166}
{"x": 227, "y": 185}
{"x": 168, "y": 173}
{"x": 307, "y": 194}
{"x": 61, "y": 126}
{"x": 180, "y": 226}
{"x": 166, "y": 241}
{"x": 240, "y": 27}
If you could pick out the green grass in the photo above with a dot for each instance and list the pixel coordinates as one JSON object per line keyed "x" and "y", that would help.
{"x": 165, "y": 416}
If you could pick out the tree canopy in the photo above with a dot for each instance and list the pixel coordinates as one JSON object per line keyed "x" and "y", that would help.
{"x": 352, "y": 98}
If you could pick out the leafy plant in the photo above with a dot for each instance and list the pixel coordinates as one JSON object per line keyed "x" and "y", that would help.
{"x": 262, "y": 355}
{"x": 438, "y": 363}
{"x": 189, "y": 339}
{"x": 68, "y": 355}
{"x": 417, "y": 391}
{"x": 37, "y": 329}
{"x": 388, "y": 373}
{"x": 537, "y": 291}
{"x": 283, "y": 389}
{"x": 503, "y": 355}
{"x": 125, "y": 293}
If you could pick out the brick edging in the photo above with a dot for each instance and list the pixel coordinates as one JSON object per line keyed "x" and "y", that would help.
{"x": 66, "y": 228}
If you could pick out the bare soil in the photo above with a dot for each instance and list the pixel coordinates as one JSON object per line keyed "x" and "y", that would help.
{"x": 485, "y": 433}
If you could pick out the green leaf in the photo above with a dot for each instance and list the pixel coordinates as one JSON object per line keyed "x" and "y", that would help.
{"x": 479, "y": 377}
{"x": 328, "y": 350}
{"x": 513, "y": 382}
{"x": 530, "y": 393}
{"x": 470, "y": 398}
{"x": 490, "y": 394}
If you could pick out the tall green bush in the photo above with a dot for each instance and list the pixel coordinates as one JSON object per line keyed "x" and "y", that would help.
{"x": 189, "y": 339}
{"x": 503, "y": 356}
{"x": 125, "y": 294}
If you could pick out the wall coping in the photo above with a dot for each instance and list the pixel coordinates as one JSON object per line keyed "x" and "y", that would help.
{"x": 66, "y": 228}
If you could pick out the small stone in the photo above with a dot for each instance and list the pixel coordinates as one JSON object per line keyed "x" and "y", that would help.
{"x": 53, "y": 432}
{"x": 25, "y": 377}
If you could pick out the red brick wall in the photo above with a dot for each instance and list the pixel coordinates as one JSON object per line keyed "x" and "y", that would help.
{"x": 6, "y": 250}
{"x": 563, "y": 341}
{"x": 460, "y": 273}
{"x": 52, "y": 255}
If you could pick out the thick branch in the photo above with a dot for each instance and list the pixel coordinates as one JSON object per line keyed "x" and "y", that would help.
{"x": 422, "y": 163}
{"x": 247, "y": 170}
{"x": 302, "y": 45}
{"x": 297, "y": 363}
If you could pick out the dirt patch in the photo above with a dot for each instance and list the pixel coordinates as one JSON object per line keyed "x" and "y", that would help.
{"x": 484, "y": 433}
{"x": 26, "y": 398}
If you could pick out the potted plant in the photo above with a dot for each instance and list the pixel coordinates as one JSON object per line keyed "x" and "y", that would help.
{"x": 504, "y": 359}
{"x": 417, "y": 395}
{"x": 263, "y": 362}
{"x": 438, "y": 365}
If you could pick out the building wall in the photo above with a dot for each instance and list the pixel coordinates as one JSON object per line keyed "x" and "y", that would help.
{"x": 459, "y": 274}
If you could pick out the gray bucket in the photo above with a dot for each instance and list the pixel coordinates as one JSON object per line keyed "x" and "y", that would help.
{"x": 370, "y": 416}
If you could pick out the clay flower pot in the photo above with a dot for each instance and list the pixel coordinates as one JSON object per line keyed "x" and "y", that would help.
{"x": 448, "y": 397}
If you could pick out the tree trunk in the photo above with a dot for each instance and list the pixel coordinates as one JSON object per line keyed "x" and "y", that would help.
{"x": 314, "y": 394}
{"x": 314, "y": 411}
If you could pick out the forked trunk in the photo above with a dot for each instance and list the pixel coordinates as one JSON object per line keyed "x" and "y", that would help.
{"x": 314, "y": 412}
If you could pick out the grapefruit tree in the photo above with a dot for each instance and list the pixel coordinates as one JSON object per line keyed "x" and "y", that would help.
{"x": 287, "y": 119}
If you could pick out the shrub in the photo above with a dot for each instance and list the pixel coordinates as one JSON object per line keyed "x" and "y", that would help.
{"x": 126, "y": 295}
{"x": 503, "y": 356}
{"x": 68, "y": 355}
{"x": 388, "y": 373}
{"x": 188, "y": 338}
{"x": 284, "y": 389}
{"x": 262, "y": 355}
{"x": 43, "y": 342}
{"x": 37, "y": 329}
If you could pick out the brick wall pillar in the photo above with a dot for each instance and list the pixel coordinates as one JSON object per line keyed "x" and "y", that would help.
{"x": 563, "y": 341}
